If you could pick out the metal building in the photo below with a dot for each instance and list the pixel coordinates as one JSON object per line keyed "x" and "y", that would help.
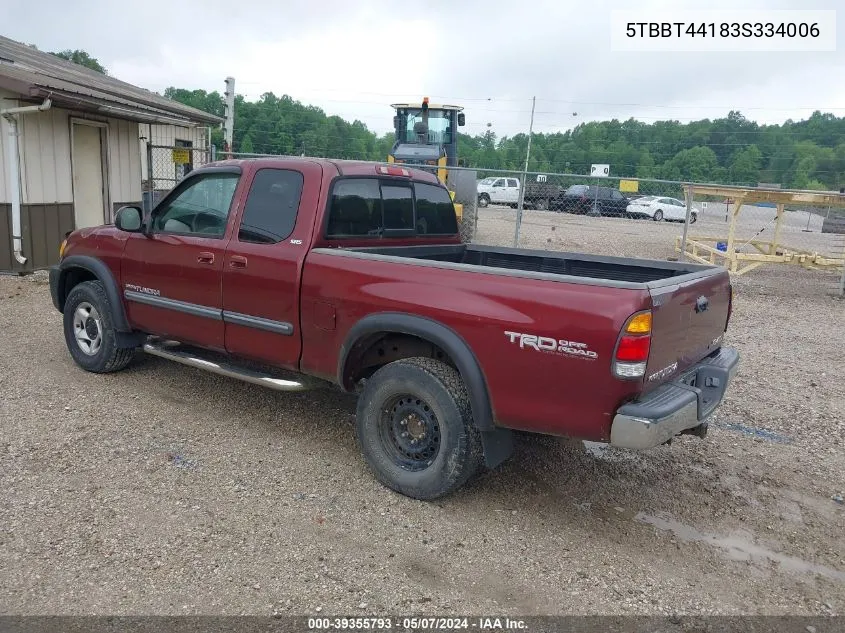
{"x": 70, "y": 154}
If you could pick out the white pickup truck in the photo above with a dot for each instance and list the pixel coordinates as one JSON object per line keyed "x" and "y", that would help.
{"x": 539, "y": 192}
{"x": 498, "y": 191}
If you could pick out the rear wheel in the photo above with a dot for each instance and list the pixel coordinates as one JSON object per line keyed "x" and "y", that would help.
{"x": 542, "y": 205}
{"x": 415, "y": 428}
{"x": 483, "y": 200}
{"x": 89, "y": 332}
{"x": 658, "y": 215}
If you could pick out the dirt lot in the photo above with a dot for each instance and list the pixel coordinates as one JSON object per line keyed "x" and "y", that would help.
{"x": 166, "y": 490}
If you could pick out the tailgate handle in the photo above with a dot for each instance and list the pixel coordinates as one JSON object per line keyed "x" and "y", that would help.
{"x": 701, "y": 304}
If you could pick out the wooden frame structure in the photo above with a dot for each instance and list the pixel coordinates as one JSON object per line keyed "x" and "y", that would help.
{"x": 702, "y": 248}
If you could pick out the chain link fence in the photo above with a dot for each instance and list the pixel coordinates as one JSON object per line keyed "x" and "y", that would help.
{"x": 629, "y": 217}
{"x": 166, "y": 165}
{"x": 649, "y": 218}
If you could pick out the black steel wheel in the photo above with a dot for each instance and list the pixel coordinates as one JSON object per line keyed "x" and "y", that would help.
{"x": 410, "y": 432}
{"x": 415, "y": 429}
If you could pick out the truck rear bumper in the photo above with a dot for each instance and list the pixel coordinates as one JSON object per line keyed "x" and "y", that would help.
{"x": 675, "y": 407}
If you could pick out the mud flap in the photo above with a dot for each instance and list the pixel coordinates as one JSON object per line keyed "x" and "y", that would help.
{"x": 498, "y": 446}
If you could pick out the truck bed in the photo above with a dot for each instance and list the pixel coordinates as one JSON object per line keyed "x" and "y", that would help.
{"x": 572, "y": 267}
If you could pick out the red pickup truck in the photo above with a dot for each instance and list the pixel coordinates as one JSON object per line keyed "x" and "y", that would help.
{"x": 288, "y": 273}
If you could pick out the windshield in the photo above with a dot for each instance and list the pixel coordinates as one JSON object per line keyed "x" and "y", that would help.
{"x": 645, "y": 199}
{"x": 486, "y": 181}
{"x": 439, "y": 128}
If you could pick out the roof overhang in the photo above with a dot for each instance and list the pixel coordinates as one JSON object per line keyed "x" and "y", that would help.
{"x": 79, "y": 98}
{"x": 118, "y": 109}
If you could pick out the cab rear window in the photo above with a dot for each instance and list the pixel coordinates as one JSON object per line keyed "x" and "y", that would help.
{"x": 370, "y": 207}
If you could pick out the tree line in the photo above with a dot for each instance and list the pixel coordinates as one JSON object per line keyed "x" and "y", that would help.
{"x": 807, "y": 154}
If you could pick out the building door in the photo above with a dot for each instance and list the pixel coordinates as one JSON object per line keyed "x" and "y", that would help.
{"x": 89, "y": 175}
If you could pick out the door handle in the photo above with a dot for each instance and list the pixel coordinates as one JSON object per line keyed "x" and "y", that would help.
{"x": 205, "y": 258}
{"x": 237, "y": 261}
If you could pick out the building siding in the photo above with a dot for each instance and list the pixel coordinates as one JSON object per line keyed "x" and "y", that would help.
{"x": 45, "y": 157}
{"x": 124, "y": 162}
{"x": 43, "y": 227}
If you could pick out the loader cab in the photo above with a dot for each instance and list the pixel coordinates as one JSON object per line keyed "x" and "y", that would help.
{"x": 426, "y": 136}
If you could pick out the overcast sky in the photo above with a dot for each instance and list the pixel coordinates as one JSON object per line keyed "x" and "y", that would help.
{"x": 356, "y": 58}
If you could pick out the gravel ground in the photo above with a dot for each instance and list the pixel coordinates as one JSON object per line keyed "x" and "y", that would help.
{"x": 645, "y": 238}
{"x": 166, "y": 490}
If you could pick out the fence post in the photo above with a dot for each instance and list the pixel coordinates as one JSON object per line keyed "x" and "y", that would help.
{"x": 682, "y": 254}
{"x": 150, "y": 177}
{"x": 842, "y": 277}
{"x": 524, "y": 178}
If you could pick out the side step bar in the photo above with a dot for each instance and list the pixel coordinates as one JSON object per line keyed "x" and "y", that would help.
{"x": 171, "y": 350}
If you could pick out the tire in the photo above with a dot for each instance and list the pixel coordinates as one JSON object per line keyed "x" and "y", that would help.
{"x": 430, "y": 395}
{"x": 542, "y": 205}
{"x": 94, "y": 331}
{"x": 693, "y": 217}
{"x": 483, "y": 200}
{"x": 658, "y": 215}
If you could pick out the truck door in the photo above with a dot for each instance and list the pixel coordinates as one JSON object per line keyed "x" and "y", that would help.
{"x": 263, "y": 264}
{"x": 171, "y": 274}
{"x": 498, "y": 192}
{"x": 512, "y": 191}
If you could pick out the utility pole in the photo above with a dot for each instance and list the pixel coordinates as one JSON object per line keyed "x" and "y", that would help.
{"x": 229, "y": 110}
{"x": 524, "y": 177}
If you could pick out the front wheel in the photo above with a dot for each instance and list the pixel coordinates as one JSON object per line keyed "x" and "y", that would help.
{"x": 89, "y": 332}
{"x": 415, "y": 428}
{"x": 542, "y": 205}
{"x": 658, "y": 216}
{"x": 483, "y": 200}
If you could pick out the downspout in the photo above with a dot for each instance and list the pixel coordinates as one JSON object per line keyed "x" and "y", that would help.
{"x": 11, "y": 115}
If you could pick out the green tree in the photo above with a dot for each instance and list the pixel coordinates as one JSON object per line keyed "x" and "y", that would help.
{"x": 744, "y": 168}
{"x": 82, "y": 58}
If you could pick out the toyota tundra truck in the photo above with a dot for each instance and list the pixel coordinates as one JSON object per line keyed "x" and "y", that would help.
{"x": 296, "y": 273}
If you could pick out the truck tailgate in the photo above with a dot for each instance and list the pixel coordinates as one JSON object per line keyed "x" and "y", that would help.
{"x": 688, "y": 321}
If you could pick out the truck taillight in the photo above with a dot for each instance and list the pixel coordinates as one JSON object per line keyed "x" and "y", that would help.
{"x": 633, "y": 347}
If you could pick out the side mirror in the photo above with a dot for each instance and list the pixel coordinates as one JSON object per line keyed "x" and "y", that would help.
{"x": 396, "y": 122}
{"x": 462, "y": 120}
{"x": 129, "y": 219}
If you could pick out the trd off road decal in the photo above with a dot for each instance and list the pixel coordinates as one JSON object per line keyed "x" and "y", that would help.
{"x": 146, "y": 291}
{"x": 552, "y": 345}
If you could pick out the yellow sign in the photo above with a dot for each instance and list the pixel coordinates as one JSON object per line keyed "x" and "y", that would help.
{"x": 629, "y": 185}
{"x": 181, "y": 156}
